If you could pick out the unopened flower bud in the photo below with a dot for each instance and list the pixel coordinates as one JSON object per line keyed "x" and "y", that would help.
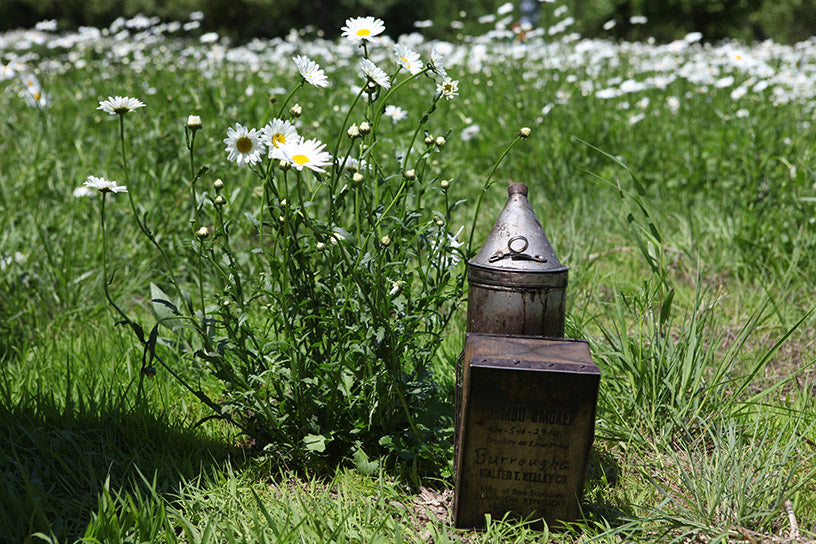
{"x": 203, "y": 232}
{"x": 357, "y": 177}
{"x": 429, "y": 140}
{"x": 220, "y": 200}
{"x": 365, "y": 128}
{"x": 193, "y": 122}
{"x": 353, "y": 132}
{"x": 440, "y": 141}
{"x": 439, "y": 221}
{"x": 218, "y": 184}
{"x": 410, "y": 174}
{"x": 320, "y": 246}
{"x": 371, "y": 87}
{"x": 296, "y": 110}
{"x": 284, "y": 164}
{"x": 525, "y": 132}
{"x": 385, "y": 241}
{"x": 444, "y": 184}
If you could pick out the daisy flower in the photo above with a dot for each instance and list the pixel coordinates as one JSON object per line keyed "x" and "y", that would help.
{"x": 104, "y": 185}
{"x": 243, "y": 145}
{"x": 358, "y": 29}
{"x": 120, "y": 105}
{"x": 276, "y": 133}
{"x": 395, "y": 113}
{"x": 311, "y": 72}
{"x": 374, "y": 73}
{"x": 306, "y": 154}
{"x": 407, "y": 58}
{"x": 448, "y": 88}
{"x": 438, "y": 62}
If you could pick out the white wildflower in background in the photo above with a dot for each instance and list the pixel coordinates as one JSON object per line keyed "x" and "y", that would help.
{"x": 310, "y": 71}
{"x": 504, "y": 9}
{"x": 425, "y": 23}
{"x": 306, "y": 154}
{"x": 120, "y": 105}
{"x": 358, "y": 29}
{"x": 674, "y": 104}
{"x": 448, "y": 88}
{"x": 742, "y": 113}
{"x": 638, "y": 20}
{"x": 104, "y": 185}
{"x": 36, "y": 97}
{"x": 408, "y": 58}
{"x": 209, "y": 37}
{"x": 470, "y": 132}
{"x": 610, "y": 24}
{"x": 395, "y": 113}
{"x": 243, "y": 145}
{"x": 276, "y": 133}
{"x": 375, "y": 74}
{"x": 83, "y": 191}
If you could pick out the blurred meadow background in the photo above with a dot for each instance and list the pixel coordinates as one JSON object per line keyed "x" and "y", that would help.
{"x": 241, "y": 350}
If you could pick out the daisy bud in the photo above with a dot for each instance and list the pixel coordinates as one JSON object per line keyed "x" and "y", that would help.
{"x": 218, "y": 184}
{"x": 525, "y": 132}
{"x": 365, "y": 128}
{"x": 282, "y": 219}
{"x": 439, "y": 221}
{"x": 272, "y": 98}
{"x": 440, "y": 141}
{"x": 410, "y": 174}
{"x": 283, "y": 203}
{"x": 220, "y": 200}
{"x": 320, "y": 246}
{"x": 429, "y": 140}
{"x": 193, "y": 122}
{"x": 296, "y": 110}
{"x": 396, "y": 287}
{"x": 353, "y": 132}
{"x": 444, "y": 184}
{"x": 203, "y": 232}
{"x": 357, "y": 177}
{"x": 284, "y": 164}
{"x": 371, "y": 87}
{"x": 385, "y": 241}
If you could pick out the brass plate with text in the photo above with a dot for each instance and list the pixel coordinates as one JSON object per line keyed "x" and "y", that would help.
{"x": 526, "y": 428}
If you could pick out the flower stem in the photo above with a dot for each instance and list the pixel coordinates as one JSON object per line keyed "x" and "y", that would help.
{"x": 484, "y": 189}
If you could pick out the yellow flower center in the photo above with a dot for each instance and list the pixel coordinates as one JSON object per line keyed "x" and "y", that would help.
{"x": 403, "y": 59}
{"x": 243, "y": 145}
{"x": 278, "y": 139}
{"x": 300, "y": 159}
{"x": 364, "y": 32}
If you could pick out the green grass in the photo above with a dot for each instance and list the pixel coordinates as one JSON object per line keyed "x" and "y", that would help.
{"x": 688, "y": 236}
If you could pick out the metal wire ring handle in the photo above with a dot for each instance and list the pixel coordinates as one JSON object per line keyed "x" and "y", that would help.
{"x": 517, "y": 251}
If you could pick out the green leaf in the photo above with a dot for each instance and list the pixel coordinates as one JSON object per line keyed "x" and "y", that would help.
{"x": 315, "y": 442}
{"x": 364, "y": 464}
{"x": 162, "y": 306}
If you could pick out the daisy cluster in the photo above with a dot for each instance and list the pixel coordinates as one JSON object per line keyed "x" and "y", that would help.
{"x": 604, "y": 70}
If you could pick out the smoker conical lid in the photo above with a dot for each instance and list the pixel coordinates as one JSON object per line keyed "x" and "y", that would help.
{"x": 517, "y": 242}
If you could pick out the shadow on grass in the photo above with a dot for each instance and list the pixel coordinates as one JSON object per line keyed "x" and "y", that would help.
{"x": 603, "y": 476}
{"x": 56, "y": 458}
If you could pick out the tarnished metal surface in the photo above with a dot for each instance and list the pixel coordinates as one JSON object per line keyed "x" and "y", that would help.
{"x": 526, "y": 428}
{"x": 516, "y": 285}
